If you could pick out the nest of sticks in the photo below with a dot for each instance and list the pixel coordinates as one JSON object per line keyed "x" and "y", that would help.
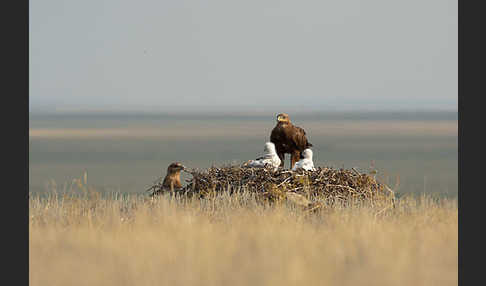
{"x": 310, "y": 189}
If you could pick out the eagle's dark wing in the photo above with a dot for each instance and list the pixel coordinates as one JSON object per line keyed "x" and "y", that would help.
{"x": 278, "y": 138}
{"x": 299, "y": 138}
{"x": 289, "y": 138}
{"x": 275, "y": 135}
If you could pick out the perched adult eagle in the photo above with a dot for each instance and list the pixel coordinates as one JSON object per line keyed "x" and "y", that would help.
{"x": 288, "y": 138}
{"x": 172, "y": 180}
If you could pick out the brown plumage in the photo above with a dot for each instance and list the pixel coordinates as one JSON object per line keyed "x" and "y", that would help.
{"x": 288, "y": 138}
{"x": 172, "y": 180}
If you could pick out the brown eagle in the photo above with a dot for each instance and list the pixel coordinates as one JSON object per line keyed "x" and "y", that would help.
{"x": 172, "y": 180}
{"x": 288, "y": 138}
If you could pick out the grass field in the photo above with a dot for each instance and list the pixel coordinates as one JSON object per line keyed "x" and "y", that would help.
{"x": 234, "y": 240}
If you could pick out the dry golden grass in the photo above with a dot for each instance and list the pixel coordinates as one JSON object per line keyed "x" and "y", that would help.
{"x": 233, "y": 240}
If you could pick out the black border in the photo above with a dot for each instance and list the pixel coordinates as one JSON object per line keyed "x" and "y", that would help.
{"x": 15, "y": 113}
{"x": 471, "y": 51}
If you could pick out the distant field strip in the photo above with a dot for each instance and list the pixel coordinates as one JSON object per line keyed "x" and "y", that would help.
{"x": 254, "y": 129}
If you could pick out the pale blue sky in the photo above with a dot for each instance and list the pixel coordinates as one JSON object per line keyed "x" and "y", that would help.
{"x": 235, "y": 55}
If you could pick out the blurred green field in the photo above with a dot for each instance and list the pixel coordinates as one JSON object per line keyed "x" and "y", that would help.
{"x": 126, "y": 153}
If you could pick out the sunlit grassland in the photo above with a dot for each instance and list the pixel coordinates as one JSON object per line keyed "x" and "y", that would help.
{"x": 236, "y": 240}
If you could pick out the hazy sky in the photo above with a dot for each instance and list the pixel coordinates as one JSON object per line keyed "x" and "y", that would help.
{"x": 222, "y": 54}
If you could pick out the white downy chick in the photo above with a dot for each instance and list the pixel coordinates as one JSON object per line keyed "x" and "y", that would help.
{"x": 270, "y": 158}
{"x": 306, "y": 162}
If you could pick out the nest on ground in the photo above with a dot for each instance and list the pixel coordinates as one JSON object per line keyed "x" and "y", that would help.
{"x": 310, "y": 189}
